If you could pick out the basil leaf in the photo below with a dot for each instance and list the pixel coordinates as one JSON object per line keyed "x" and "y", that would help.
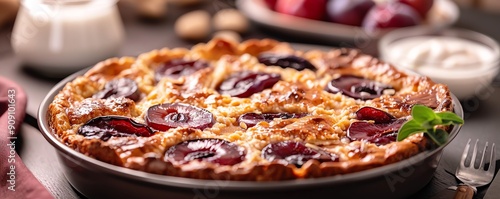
{"x": 439, "y": 136}
{"x": 410, "y": 127}
{"x": 434, "y": 122}
{"x": 424, "y": 119}
{"x": 422, "y": 114}
{"x": 449, "y": 118}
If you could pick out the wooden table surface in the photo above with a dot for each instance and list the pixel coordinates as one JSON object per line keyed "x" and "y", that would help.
{"x": 482, "y": 114}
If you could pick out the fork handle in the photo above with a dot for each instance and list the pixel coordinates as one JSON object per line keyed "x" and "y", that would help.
{"x": 464, "y": 192}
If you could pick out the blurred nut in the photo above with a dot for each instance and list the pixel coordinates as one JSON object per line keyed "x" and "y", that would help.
{"x": 230, "y": 19}
{"x": 193, "y": 25}
{"x": 228, "y": 35}
{"x": 152, "y": 8}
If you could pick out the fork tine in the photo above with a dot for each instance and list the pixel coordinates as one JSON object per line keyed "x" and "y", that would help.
{"x": 464, "y": 154}
{"x": 492, "y": 159}
{"x": 473, "y": 159}
{"x": 481, "y": 166}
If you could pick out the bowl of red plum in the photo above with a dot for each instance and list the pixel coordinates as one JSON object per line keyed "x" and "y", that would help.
{"x": 344, "y": 20}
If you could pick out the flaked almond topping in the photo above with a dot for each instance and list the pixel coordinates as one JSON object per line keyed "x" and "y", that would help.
{"x": 312, "y": 146}
{"x": 389, "y": 92}
{"x": 364, "y": 94}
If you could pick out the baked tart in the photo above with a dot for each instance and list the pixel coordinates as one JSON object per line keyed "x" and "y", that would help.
{"x": 259, "y": 110}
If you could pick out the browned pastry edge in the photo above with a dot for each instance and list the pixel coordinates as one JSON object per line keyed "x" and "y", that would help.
{"x": 146, "y": 153}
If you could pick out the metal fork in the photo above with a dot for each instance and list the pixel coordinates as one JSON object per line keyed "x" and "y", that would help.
{"x": 474, "y": 177}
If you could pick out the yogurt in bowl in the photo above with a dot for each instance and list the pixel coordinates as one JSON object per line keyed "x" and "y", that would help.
{"x": 464, "y": 60}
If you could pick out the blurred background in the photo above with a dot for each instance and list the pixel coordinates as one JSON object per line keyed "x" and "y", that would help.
{"x": 149, "y": 24}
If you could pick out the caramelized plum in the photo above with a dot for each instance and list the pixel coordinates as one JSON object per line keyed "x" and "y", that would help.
{"x": 122, "y": 87}
{"x": 251, "y": 119}
{"x": 377, "y": 115}
{"x": 296, "y": 153}
{"x": 311, "y": 9}
{"x": 179, "y": 67}
{"x": 348, "y": 12}
{"x": 390, "y": 15}
{"x": 105, "y": 127}
{"x": 210, "y": 150}
{"x": 246, "y": 83}
{"x": 358, "y": 87}
{"x": 285, "y": 61}
{"x": 172, "y": 115}
{"x": 377, "y": 133}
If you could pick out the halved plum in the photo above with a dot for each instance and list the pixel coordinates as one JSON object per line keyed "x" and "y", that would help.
{"x": 377, "y": 133}
{"x": 121, "y": 87}
{"x": 251, "y": 119}
{"x": 358, "y": 87}
{"x": 377, "y": 115}
{"x": 172, "y": 115}
{"x": 176, "y": 68}
{"x": 246, "y": 83}
{"x": 296, "y": 153}
{"x": 285, "y": 61}
{"x": 105, "y": 127}
{"x": 209, "y": 149}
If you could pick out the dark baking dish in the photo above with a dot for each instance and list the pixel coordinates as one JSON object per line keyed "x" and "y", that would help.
{"x": 96, "y": 179}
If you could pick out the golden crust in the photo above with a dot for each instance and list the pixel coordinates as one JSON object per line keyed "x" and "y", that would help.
{"x": 298, "y": 92}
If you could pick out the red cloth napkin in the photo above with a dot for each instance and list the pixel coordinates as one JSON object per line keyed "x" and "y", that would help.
{"x": 16, "y": 180}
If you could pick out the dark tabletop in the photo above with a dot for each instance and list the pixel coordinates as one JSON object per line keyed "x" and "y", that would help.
{"x": 482, "y": 114}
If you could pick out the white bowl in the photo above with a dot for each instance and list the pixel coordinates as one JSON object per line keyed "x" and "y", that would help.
{"x": 468, "y": 80}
